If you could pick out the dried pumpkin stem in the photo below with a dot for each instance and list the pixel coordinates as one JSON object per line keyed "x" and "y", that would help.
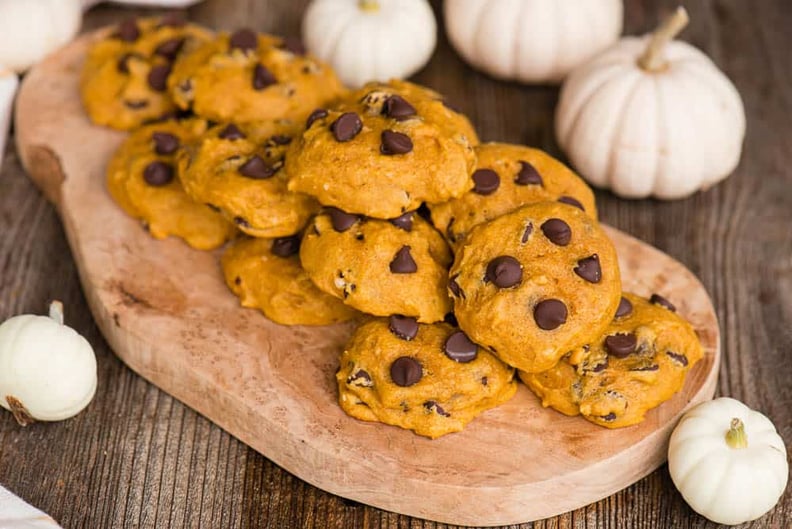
{"x": 22, "y": 416}
{"x": 736, "y": 437}
{"x": 653, "y": 58}
{"x": 56, "y": 311}
{"x": 369, "y": 6}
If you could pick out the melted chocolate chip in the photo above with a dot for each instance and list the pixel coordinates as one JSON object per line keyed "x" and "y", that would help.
{"x": 281, "y": 139}
{"x": 393, "y": 143}
{"x": 625, "y": 308}
{"x": 293, "y": 45}
{"x": 404, "y": 327}
{"x": 454, "y": 287}
{"x": 262, "y": 77}
{"x": 600, "y": 367}
{"x": 136, "y": 104}
{"x": 550, "y": 314}
{"x": 404, "y": 222}
{"x": 678, "y": 358}
{"x": 652, "y": 367}
{"x": 504, "y": 271}
{"x": 431, "y": 405}
{"x": 240, "y": 221}
{"x": 360, "y": 378}
{"x": 128, "y": 30}
{"x": 557, "y": 231}
{"x": 527, "y": 233}
{"x": 406, "y": 371}
{"x": 589, "y": 269}
{"x": 621, "y": 345}
{"x": 346, "y": 127}
{"x": 158, "y": 77}
{"x": 158, "y": 174}
{"x": 403, "y": 262}
{"x": 609, "y": 417}
{"x": 319, "y": 113}
{"x": 459, "y": 348}
{"x": 341, "y": 220}
{"x": 572, "y": 202}
{"x": 398, "y": 108}
{"x": 286, "y": 246}
{"x": 165, "y": 143}
{"x": 527, "y": 175}
{"x": 231, "y": 132}
{"x": 123, "y": 62}
{"x": 486, "y": 181}
{"x": 256, "y": 168}
{"x": 170, "y": 48}
{"x": 657, "y": 299}
{"x": 243, "y": 39}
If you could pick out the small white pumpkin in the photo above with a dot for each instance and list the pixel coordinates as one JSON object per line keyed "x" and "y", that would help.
{"x": 728, "y": 461}
{"x": 370, "y": 40}
{"x": 30, "y": 29}
{"x": 532, "y": 41}
{"x": 651, "y": 116}
{"x": 47, "y": 370}
{"x": 15, "y": 513}
{"x": 8, "y": 88}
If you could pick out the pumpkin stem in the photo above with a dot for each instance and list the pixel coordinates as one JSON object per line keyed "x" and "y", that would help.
{"x": 22, "y": 416}
{"x": 369, "y": 6}
{"x": 56, "y": 311}
{"x": 736, "y": 437}
{"x": 653, "y": 59}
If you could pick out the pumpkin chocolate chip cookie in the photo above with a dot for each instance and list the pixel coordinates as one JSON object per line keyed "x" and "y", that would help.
{"x": 266, "y": 274}
{"x": 143, "y": 179}
{"x": 427, "y": 378}
{"x": 383, "y": 151}
{"x": 639, "y": 362}
{"x": 535, "y": 283}
{"x": 124, "y": 79}
{"x": 377, "y": 266}
{"x": 238, "y": 171}
{"x": 246, "y": 76}
{"x": 507, "y": 177}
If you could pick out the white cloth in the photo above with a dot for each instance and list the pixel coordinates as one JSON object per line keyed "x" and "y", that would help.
{"x": 16, "y": 514}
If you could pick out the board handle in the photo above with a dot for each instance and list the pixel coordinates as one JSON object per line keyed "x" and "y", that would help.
{"x": 44, "y": 169}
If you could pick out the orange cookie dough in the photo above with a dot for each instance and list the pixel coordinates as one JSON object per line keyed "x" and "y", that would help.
{"x": 377, "y": 266}
{"x": 430, "y": 379}
{"x": 266, "y": 274}
{"x": 637, "y": 364}
{"x": 245, "y": 76}
{"x": 383, "y": 151}
{"x": 535, "y": 284}
{"x": 143, "y": 180}
{"x": 507, "y": 177}
{"x": 124, "y": 79}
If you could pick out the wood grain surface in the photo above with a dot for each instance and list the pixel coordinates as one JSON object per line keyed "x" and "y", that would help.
{"x": 137, "y": 458}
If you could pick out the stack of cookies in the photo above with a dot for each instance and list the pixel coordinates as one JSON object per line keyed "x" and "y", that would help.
{"x": 472, "y": 261}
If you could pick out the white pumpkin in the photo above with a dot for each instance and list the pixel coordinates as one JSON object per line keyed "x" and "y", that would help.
{"x": 651, "y": 117}
{"x": 370, "y": 40}
{"x": 728, "y": 461}
{"x": 532, "y": 41}
{"x": 15, "y": 513}
{"x": 8, "y": 87}
{"x": 30, "y": 29}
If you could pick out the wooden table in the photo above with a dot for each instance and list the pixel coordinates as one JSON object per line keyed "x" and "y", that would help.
{"x": 138, "y": 458}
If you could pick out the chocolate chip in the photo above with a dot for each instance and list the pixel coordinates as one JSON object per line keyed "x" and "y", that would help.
{"x": 527, "y": 175}
{"x": 173, "y": 20}
{"x": 231, "y": 132}
{"x": 237, "y": 280}
{"x": 404, "y": 222}
{"x": 652, "y": 367}
{"x": 123, "y": 63}
{"x": 170, "y": 48}
{"x": 486, "y": 181}
{"x": 504, "y": 271}
{"x": 484, "y": 381}
{"x": 128, "y": 30}
{"x": 572, "y": 202}
{"x": 393, "y": 142}
{"x": 451, "y": 319}
{"x": 403, "y": 263}
{"x": 158, "y": 174}
{"x": 678, "y": 358}
{"x": 406, "y": 371}
{"x": 657, "y": 299}
{"x": 527, "y": 233}
{"x": 240, "y": 221}
{"x": 294, "y": 45}
{"x": 319, "y": 113}
{"x": 346, "y": 127}
{"x": 281, "y": 139}
{"x": 459, "y": 348}
{"x": 341, "y": 220}
{"x": 625, "y": 308}
{"x": 398, "y": 108}
{"x": 600, "y": 367}
{"x": 360, "y": 378}
{"x": 243, "y": 39}
{"x": 256, "y": 168}
{"x": 609, "y": 417}
{"x": 286, "y": 246}
{"x": 136, "y": 104}
{"x": 431, "y": 405}
{"x": 158, "y": 77}
{"x": 262, "y": 77}
{"x": 589, "y": 269}
{"x": 404, "y": 327}
{"x": 165, "y": 143}
{"x": 454, "y": 287}
{"x": 557, "y": 231}
{"x": 621, "y": 345}
{"x": 550, "y": 314}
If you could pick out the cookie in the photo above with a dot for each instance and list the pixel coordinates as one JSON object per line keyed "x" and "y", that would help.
{"x": 639, "y": 362}
{"x": 245, "y": 76}
{"x": 430, "y": 379}
{"x": 377, "y": 266}
{"x": 507, "y": 177}
{"x": 124, "y": 78}
{"x": 238, "y": 171}
{"x": 383, "y": 151}
{"x": 535, "y": 284}
{"x": 266, "y": 274}
{"x": 143, "y": 179}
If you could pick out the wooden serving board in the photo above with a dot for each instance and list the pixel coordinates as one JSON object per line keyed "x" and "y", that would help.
{"x": 166, "y": 312}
